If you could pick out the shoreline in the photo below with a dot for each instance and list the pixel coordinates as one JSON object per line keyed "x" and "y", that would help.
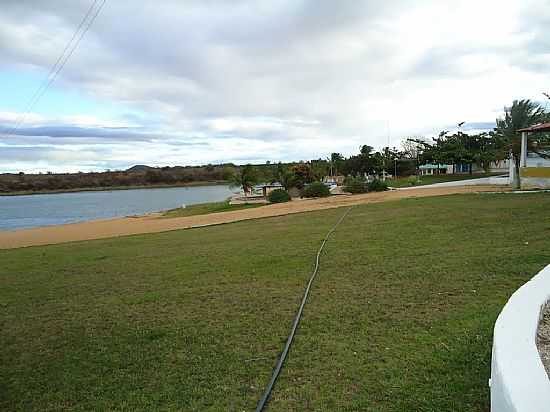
{"x": 126, "y": 226}
{"x": 111, "y": 188}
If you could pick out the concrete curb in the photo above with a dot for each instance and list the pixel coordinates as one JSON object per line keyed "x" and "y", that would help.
{"x": 519, "y": 382}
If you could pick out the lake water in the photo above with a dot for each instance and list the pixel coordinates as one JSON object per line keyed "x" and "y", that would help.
{"x": 18, "y": 212}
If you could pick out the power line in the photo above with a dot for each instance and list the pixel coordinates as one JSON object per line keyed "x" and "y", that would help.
{"x": 82, "y": 28}
{"x": 44, "y": 84}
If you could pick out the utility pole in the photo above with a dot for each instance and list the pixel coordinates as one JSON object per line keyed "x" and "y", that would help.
{"x": 460, "y": 124}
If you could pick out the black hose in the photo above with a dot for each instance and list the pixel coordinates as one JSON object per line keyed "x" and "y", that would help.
{"x": 281, "y": 361}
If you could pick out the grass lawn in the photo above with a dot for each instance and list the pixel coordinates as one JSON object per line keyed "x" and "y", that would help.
{"x": 400, "y": 317}
{"x": 207, "y": 208}
{"x": 429, "y": 180}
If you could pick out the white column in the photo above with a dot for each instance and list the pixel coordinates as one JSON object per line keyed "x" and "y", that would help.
{"x": 511, "y": 169}
{"x": 523, "y": 162}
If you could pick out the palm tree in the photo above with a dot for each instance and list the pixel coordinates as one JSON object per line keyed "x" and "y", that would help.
{"x": 285, "y": 177}
{"x": 522, "y": 113}
{"x": 336, "y": 160}
{"x": 246, "y": 178}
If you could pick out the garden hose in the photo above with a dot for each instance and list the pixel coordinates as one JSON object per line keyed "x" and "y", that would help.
{"x": 265, "y": 398}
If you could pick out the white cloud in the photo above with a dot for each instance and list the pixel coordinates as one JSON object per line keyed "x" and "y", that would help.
{"x": 280, "y": 80}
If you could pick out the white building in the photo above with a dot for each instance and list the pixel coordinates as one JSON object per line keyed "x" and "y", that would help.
{"x": 499, "y": 166}
{"x": 534, "y": 169}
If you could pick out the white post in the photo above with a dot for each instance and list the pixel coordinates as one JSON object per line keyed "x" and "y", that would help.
{"x": 523, "y": 162}
{"x": 511, "y": 169}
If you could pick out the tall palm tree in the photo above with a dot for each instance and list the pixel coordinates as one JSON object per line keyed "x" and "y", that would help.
{"x": 522, "y": 113}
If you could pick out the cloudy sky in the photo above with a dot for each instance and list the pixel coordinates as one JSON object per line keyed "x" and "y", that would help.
{"x": 193, "y": 82}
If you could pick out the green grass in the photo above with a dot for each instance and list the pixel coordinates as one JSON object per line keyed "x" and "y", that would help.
{"x": 429, "y": 180}
{"x": 207, "y": 208}
{"x": 400, "y": 317}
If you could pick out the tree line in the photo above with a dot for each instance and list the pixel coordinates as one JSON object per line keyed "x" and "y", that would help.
{"x": 479, "y": 149}
{"x": 457, "y": 148}
{"x": 503, "y": 142}
{"x": 136, "y": 176}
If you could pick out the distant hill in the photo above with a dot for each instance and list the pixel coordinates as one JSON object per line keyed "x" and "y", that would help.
{"x": 138, "y": 175}
{"x": 140, "y": 168}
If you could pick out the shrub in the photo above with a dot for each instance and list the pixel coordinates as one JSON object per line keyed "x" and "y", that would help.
{"x": 413, "y": 180}
{"x": 316, "y": 189}
{"x": 377, "y": 185}
{"x": 355, "y": 185}
{"x": 278, "y": 196}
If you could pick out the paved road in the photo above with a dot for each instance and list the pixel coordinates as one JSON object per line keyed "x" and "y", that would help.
{"x": 480, "y": 181}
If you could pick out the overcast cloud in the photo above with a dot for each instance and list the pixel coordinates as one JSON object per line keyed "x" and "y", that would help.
{"x": 194, "y": 82}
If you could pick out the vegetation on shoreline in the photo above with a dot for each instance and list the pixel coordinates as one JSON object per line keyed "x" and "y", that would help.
{"x": 207, "y": 208}
{"x": 400, "y": 316}
{"x": 135, "y": 177}
{"x": 108, "y": 188}
{"x": 279, "y": 196}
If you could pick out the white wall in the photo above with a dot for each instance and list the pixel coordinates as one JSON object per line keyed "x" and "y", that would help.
{"x": 534, "y": 160}
{"x": 519, "y": 382}
{"x": 535, "y": 183}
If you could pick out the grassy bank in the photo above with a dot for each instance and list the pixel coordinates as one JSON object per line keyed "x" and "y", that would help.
{"x": 400, "y": 317}
{"x": 207, "y": 208}
{"x": 107, "y": 188}
{"x": 429, "y": 180}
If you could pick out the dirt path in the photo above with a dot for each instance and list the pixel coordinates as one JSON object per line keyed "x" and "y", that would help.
{"x": 101, "y": 229}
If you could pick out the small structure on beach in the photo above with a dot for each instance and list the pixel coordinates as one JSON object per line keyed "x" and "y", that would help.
{"x": 334, "y": 180}
{"x": 268, "y": 188}
{"x": 534, "y": 165}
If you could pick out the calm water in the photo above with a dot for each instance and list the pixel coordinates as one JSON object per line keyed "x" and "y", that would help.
{"x": 18, "y": 212}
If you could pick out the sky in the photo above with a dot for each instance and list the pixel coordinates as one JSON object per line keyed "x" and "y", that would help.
{"x": 185, "y": 82}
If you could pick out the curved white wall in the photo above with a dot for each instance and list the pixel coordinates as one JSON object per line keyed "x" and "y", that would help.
{"x": 519, "y": 382}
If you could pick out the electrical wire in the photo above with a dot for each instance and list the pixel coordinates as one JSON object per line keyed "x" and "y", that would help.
{"x": 60, "y": 63}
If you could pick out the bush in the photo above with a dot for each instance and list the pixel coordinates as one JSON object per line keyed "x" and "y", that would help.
{"x": 413, "y": 180}
{"x": 278, "y": 196}
{"x": 377, "y": 185}
{"x": 355, "y": 185}
{"x": 316, "y": 189}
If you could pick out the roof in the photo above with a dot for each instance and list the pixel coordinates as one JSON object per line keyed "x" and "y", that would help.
{"x": 275, "y": 184}
{"x": 542, "y": 127}
{"x": 432, "y": 166}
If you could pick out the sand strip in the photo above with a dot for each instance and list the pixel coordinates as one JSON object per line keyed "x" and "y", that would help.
{"x": 101, "y": 229}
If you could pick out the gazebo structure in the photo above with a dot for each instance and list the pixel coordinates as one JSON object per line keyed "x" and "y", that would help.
{"x": 534, "y": 168}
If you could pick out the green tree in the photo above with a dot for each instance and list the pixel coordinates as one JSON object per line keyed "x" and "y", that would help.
{"x": 336, "y": 161}
{"x": 245, "y": 178}
{"x": 319, "y": 168}
{"x": 522, "y": 113}
{"x": 486, "y": 148}
{"x": 388, "y": 159}
{"x": 285, "y": 176}
{"x": 302, "y": 174}
{"x": 480, "y": 149}
{"x": 359, "y": 164}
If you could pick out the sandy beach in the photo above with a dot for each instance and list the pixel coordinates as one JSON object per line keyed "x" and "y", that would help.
{"x": 101, "y": 229}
